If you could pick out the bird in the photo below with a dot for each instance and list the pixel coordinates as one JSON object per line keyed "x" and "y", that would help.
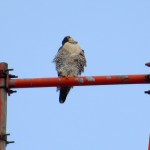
{"x": 70, "y": 61}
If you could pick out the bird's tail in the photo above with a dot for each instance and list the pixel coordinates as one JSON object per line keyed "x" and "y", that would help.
{"x": 63, "y": 94}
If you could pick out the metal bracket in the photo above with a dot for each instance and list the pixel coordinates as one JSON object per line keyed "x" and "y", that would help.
{"x": 147, "y": 77}
{"x": 5, "y": 74}
{"x": 3, "y": 137}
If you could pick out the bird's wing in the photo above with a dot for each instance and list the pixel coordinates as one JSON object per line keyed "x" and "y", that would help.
{"x": 83, "y": 57}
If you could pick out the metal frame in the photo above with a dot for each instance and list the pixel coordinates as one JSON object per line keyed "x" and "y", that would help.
{"x": 7, "y": 84}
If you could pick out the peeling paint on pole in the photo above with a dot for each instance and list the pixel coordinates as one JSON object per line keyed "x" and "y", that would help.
{"x": 79, "y": 81}
{"x": 90, "y": 78}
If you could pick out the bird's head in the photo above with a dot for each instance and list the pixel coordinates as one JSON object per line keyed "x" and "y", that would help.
{"x": 69, "y": 39}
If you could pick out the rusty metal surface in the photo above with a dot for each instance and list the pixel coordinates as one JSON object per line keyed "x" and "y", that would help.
{"x": 3, "y": 107}
{"x": 79, "y": 81}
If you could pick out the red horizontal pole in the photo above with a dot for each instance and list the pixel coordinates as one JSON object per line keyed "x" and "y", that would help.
{"x": 79, "y": 81}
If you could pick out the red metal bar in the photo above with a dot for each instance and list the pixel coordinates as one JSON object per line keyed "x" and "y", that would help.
{"x": 3, "y": 107}
{"x": 79, "y": 81}
{"x": 149, "y": 144}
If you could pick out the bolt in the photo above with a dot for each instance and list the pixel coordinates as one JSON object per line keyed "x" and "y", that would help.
{"x": 147, "y": 92}
{"x": 147, "y": 64}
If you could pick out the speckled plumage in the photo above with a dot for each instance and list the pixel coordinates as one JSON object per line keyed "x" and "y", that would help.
{"x": 70, "y": 61}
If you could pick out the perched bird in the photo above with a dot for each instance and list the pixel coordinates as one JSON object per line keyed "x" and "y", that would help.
{"x": 70, "y": 61}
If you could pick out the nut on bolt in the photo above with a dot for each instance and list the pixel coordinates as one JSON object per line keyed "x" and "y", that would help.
{"x": 147, "y": 64}
{"x": 147, "y": 92}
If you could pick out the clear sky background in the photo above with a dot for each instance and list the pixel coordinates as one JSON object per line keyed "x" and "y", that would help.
{"x": 115, "y": 35}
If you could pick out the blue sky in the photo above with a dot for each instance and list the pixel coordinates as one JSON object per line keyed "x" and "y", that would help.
{"x": 116, "y": 38}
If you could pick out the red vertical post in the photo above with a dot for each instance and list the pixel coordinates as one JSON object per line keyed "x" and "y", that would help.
{"x": 149, "y": 144}
{"x": 3, "y": 106}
